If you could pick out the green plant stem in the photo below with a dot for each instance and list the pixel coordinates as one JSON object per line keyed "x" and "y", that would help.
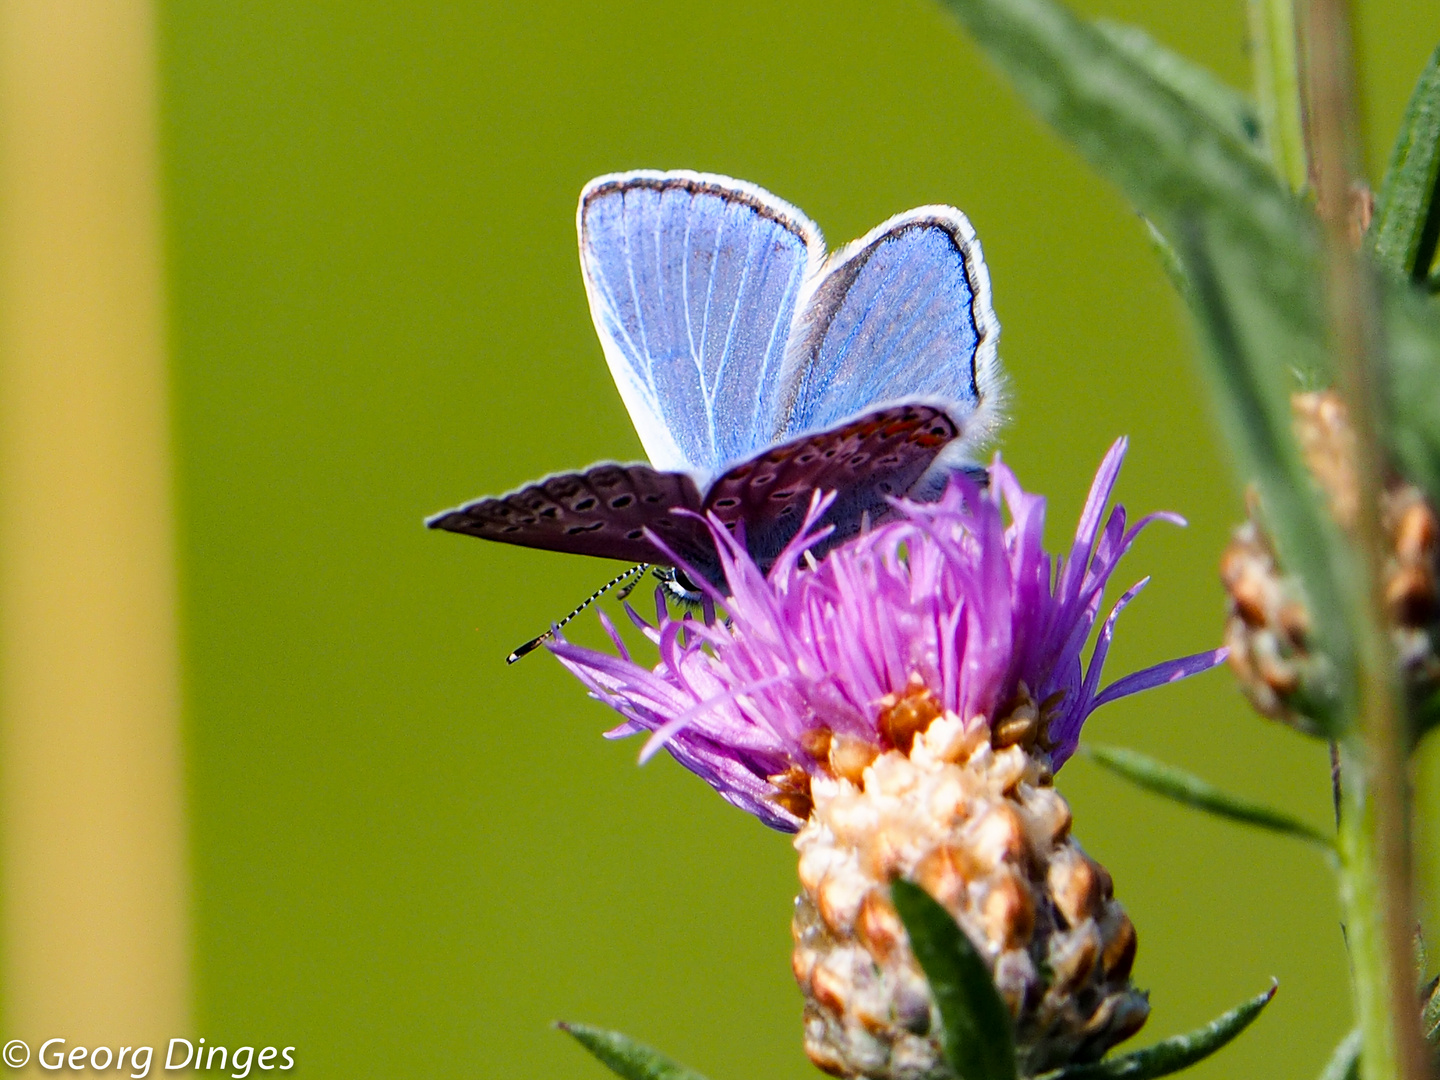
{"x": 1385, "y": 1005}
{"x": 1376, "y": 873}
{"x": 1275, "y": 52}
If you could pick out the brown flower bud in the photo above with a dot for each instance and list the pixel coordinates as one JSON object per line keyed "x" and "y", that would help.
{"x": 990, "y": 840}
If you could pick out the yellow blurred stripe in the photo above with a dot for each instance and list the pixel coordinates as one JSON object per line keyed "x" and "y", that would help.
{"x": 91, "y": 772}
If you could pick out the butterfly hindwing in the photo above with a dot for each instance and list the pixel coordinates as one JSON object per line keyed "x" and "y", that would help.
{"x": 867, "y": 461}
{"x": 603, "y": 511}
{"x": 693, "y": 281}
{"x": 904, "y": 312}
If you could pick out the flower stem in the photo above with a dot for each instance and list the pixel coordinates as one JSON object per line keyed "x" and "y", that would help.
{"x": 1376, "y": 872}
{"x": 1385, "y": 1000}
{"x": 1274, "y": 47}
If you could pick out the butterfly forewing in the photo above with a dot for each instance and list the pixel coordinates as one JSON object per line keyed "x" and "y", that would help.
{"x": 866, "y": 462}
{"x": 603, "y": 511}
{"x": 693, "y": 282}
{"x": 903, "y": 312}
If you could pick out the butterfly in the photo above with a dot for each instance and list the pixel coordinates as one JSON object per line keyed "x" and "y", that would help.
{"x": 758, "y": 371}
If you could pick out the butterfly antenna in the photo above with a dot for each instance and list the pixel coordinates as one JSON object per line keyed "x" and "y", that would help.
{"x": 639, "y": 571}
{"x": 534, "y": 643}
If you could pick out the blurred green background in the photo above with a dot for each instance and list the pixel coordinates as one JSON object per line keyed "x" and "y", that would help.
{"x": 410, "y": 859}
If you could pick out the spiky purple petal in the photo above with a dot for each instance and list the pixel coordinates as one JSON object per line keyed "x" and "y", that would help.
{"x": 944, "y": 591}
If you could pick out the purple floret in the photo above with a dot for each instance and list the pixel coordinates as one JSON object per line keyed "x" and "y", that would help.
{"x": 945, "y": 591}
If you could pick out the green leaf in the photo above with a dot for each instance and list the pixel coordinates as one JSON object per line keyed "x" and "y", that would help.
{"x": 1405, "y": 234}
{"x": 1412, "y": 342}
{"x": 1407, "y": 219}
{"x": 1170, "y": 156}
{"x": 1227, "y": 108}
{"x": 1185, "y": 788}
{"x": 1168, "y": 256}
{"x": 626, "y": 1057}
{"x": 1241, "y": 334}
{"x": 1344, "y": 1063}
{"x": 1170, "y": 1055}
{"x": 978, "y": 1036}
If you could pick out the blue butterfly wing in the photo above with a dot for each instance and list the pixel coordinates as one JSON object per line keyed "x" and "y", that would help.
{"x": 693, "y": 283}
{"x": 902, "y": 314}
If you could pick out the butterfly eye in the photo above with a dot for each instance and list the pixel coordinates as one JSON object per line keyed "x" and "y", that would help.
{"x": 680, "y": 587}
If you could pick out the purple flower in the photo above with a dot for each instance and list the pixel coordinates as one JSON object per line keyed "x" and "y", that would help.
{"x": 943, "y": 598}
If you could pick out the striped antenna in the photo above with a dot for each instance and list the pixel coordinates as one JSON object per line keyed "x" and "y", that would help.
{"x": 635, "y": 573}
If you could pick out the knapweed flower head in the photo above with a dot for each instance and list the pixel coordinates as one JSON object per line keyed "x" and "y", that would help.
{"x": 903, "y": 701}
{"x": 945, "y": 609}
